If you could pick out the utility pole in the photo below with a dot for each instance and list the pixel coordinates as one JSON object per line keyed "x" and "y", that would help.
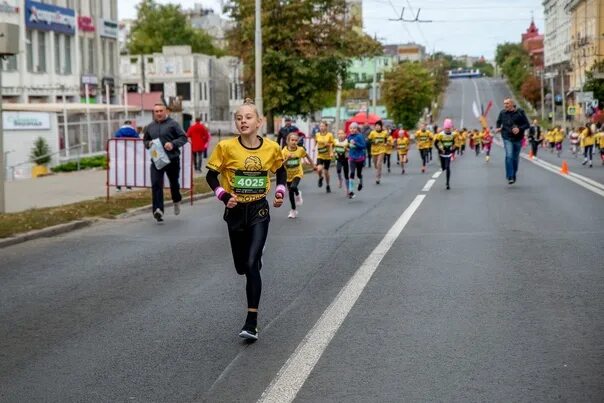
{"x": 563, "y": 99}
{"x": 542, "y": 96}
{"x": 258, "y": 58}
{"x": 551, "y": 84}
{"x": 374, "y": 100}
{"x": 338, "y": 102}
{"x": 2, "y": 155}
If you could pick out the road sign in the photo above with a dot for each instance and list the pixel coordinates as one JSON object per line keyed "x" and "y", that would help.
{"x": 582, "y": 97}
{"x": 571, "y": 111}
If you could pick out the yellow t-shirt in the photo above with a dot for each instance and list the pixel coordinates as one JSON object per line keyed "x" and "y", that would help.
{"x": 402, "y": 145}
{"x": 341, "y": 148}
{"x": 324, "y": 141}
{"x": 600, "y": 139}
{"x": 460, "y": 139}
{"x": 586, "y": 140}
{"x": 244, "y": 171}
{"x": 558, "y": 136}
{"x": 378, "y": 141}
{"x": 293, "y": 165}
{"x": 389, "y": 144}
{"x": 423, "y": 139}
{"x": 549, "y": 137}
{"x": 477, "y": 137}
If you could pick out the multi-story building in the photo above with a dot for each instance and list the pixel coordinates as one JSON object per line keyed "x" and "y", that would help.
{"x": 557, "y": 35}
{"x": 412, "y": 52}
{"x": 68, "y": 48}
{"x": 361, "y": 70}
{"x": 586, "y": 38}
{"x": 211, "y": 22}
{"x": 208, "y": 86}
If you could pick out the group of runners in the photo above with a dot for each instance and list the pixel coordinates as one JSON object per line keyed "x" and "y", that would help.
{"x": 582, "y": 141}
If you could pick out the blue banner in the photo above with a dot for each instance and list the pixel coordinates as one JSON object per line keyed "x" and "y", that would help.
{"x": 47, "y": 17}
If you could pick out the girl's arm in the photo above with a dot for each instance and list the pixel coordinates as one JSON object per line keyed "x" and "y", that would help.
{"x": 214, "y": 183}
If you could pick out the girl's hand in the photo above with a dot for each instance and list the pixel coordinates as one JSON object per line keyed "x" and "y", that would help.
{"x": 278, "y": 200}
{"x": 232, "y": 202}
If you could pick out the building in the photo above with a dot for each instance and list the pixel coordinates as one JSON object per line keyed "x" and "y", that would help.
{"x": 469, "y": 61}
{"x": 586, "y": 45}
{"x": 532, "y": 41}
{"x": 361, "y": 70}
{"x": 124, "y": 29}
{"x": 557, "y": 35}
{"x": 209, "y": 87}
{"x": 68, "y": 51}
{"x": 412, "y": 52}
{"x": 209, "y": 21}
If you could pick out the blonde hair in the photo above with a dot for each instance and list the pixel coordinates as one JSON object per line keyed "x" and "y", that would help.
{"x": 290, "y": 135}
{"x": 248, "y": 102}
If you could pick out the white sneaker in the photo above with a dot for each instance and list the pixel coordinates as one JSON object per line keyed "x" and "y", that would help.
{"x": 158, "y": 215}
{"x": 298, "y": 198}
{"x": 176, "y": 208}
{"x": 292, "y": 214}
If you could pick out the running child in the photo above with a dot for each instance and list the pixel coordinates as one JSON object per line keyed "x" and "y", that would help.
{"x": 356, "y": 157}
{"x": 573, "y": 137}
{"x": 388, "y": 147}
{"x": 477, "y": 141}
{"x": 599, "y": 139}
{"x": 341, "y": 147}
{"x": 378, "y": 139}
{"x": 324, "y": 146}
{"x": 402, "y": 149}
{"x": 445, "y": 141}
{"x": 293, "y": 155}
{"x": 244, "y": 163}
{"x": 487, "y": 142}
{"x": 587, "y": 142}
{"x": 423, "y": 138}
{"x": 558, "y": 139}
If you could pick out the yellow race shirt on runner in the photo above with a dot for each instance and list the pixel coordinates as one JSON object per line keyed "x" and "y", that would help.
{"x": 378, "y": 141}
{"x": 423, "y": 138}
{"x": 244, "y": 171}
{"x": 402, "y": 145}
{"x": 293, "y": 164}
{"x": 323, "y": 142}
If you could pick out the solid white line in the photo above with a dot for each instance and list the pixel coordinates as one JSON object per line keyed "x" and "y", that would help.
{"x": 580, "y": 177}
{"x": 428, "y": 185}
{"x": 298, "y": 367}
{"x": 436, "y": 174}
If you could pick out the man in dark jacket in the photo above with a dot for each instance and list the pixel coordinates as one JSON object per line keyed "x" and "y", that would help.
{"x": 512, "y": 123}
{"x": 172, "y": 137}
{"x": 284, "y": 131}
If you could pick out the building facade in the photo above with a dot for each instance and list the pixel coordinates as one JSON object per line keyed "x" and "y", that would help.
{"x": 586, "y": 45}
{"x": 557, "y": 35}
{"x": 532, "y": 41}
{"x": 412, "y": 52}
{"x": 211, "y": 22}
{"x": 68, "y": 50}
{"x": 209, "y": 87}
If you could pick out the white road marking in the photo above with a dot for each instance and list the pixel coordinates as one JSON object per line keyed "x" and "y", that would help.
{"x": 436, "y": 174}
{"x": 428, "y": 185}
{"x": 300, "y": 364}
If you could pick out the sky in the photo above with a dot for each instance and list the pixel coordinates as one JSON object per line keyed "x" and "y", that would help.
{"x": 458, "y": 27}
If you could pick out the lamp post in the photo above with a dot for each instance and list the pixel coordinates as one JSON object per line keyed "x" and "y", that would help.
{"x": 258, "y": 57}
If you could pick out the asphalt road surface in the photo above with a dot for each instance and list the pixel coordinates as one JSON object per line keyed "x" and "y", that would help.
{"x": 410, "y": 292}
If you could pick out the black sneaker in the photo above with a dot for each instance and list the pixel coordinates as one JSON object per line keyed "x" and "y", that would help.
{"x": 377, "y": 182}
{"x": 249, "y": 332}
{"x": 351, "y": 195}
{"x": 360, "y": 187}
{"x": 320, "y": 184}
{"x": 327, "y": 189}
{"x": 511, "y": 181}
{"x": 448, "y": 187}
{"x": 158, "y": 215}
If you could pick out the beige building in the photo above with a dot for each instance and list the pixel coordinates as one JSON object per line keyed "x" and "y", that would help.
{"x": 586, "y": 38}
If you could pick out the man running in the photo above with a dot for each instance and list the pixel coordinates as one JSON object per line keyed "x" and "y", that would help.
{"x": 512, "y": 123}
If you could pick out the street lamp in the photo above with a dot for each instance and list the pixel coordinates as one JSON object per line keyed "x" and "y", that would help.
{"x": 258, "y": 57}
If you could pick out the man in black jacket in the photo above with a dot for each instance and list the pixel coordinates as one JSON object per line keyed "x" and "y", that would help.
{"x": 172, "y": 137}
{"x": 512, "y": 123}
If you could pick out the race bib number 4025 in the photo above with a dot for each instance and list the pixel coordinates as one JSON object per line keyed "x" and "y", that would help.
{"x": 250, "y": 182}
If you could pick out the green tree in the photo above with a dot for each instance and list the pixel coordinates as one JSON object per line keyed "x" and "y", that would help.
{"x": 595, "y": 84}
{"x": 505, "y": 49}
{"x": 407, "y": 90}
{"x": 160, "y": 25}
{"x": 39, "y": 152}
{"x": 486, "y": 68}
{"x": 307, "y": 45}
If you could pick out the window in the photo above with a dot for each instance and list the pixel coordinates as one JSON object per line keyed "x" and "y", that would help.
{"x": 205, "y": 91}
{"x": 82, "y": 55}
{"x": 184, "y": 90}
{"x": 67, "y": 53}
{"x": 41, "y": 52}
{"x": 10, "y": 63}
{"x": 111, "y": 57}
{"x": 58, "y": 38}
{"x": 156, "y": 87}
{"x": 91, "y": 56}
{"x": 29, "y": 50}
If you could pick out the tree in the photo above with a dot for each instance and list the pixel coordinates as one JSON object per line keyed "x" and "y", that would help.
{"x": 486, "y": 68}
{"x": 307, "y": 45}
{"x": 39, "y": 152}
{"x": 504, "y": 50}
{"x": 595, "y": 84}
{"x": 160, "y": 25}
{"x": 531, "y": 90}
{"x": 407, "y": 90}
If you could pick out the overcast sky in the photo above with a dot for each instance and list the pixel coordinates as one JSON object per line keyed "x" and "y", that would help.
{"x": 458, "y": 27}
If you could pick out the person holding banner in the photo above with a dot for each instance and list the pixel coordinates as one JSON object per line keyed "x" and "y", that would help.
{"x": 164, "y": 135}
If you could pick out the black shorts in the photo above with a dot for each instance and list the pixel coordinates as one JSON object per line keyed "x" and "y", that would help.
{"x": 325, "y": 163}
{"x": 244, "y": 215}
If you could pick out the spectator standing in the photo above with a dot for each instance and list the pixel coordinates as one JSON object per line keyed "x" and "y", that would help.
{"x": 199, "y": 136}
{"x": 124, "y": 132}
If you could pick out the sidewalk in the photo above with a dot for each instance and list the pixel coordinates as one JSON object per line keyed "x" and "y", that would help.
{"x": 62, "y": 188}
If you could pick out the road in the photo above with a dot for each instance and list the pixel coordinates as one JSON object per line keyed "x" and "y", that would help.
{"x": 485, "y": 292}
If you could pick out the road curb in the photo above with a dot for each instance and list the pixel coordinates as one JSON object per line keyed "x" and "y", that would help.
{"x": 47, "y": 232}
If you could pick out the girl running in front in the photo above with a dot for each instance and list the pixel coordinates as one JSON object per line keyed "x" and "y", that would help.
{"x": 477, "y": 141}
{"x": 487, "y": 142}
{"x": 378, "y": 139}
{"x": 550, "y": 137}
{"x": 558, "y": 139}
{"x": 402, "y": 148}
{"x": 460, "y": 141}
{"x": 293, "y": 155}
{"x": 445, "y": 141}
{"x": 324, "y": 146}
{"x": 587, "y": 142}
{"x": 244, "y": 163}
{"x": 341, "y": 151}
{"x": 356, "y": 157}
{"x": 388, "y": 150}
{"x": 423, "y": 138}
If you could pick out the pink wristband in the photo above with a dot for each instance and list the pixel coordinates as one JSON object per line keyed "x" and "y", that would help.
{"x": 219, "y": 192}
{"x": 280, "y": 189}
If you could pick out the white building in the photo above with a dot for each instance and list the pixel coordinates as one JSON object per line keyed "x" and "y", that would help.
{"x": 64, "y": 45}
{"x": 210, "y": 87}
{"x": 556, "y": 42}
{"x": 209, "y": 21}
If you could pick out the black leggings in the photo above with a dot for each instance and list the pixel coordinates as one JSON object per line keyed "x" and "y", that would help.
{"x": 534, "y": 147}
{"x": 445, "y": 164}
{"x": 342, "y": 165}
{"x": 358, "y": 166}
{"x": 588, "y": 150}
{"x": 477, "y": 148}
{"x": 293, "y": 191}
{"x": 387, "y": 160}
{"x": 424, "y": 152}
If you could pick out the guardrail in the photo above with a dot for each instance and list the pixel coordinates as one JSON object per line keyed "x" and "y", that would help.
{"x": 11, "y": 169}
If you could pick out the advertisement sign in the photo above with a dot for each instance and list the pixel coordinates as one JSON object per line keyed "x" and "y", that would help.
{"x": 47, "y": 17}
{"x": 86, "y": 24}
{"x": 8, "y": 9}
{"x": 108, "y": 28}
{"x": 26, "y": 120}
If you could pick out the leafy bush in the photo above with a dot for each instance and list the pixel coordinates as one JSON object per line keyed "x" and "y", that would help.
{"x": 39, "y": 152}
{"x": 99, "y": 161}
